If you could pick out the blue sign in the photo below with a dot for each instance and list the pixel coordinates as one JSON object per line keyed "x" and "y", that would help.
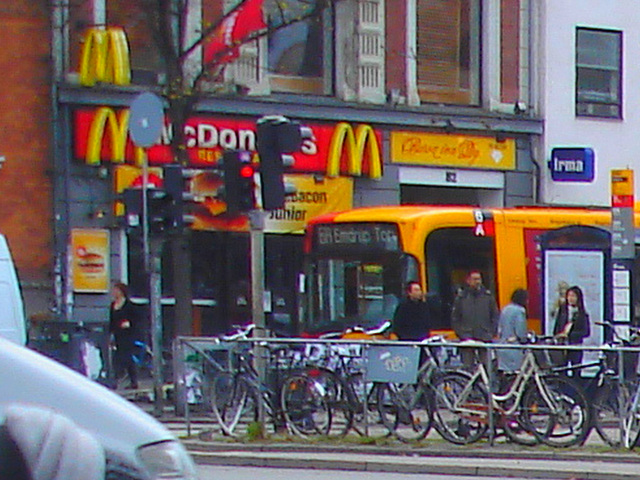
{"x": 572, "y": 164}
{"x": 392, "y": 363}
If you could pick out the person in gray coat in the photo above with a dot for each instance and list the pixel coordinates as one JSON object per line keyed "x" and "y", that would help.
{"x": 512, "y": 328}
{"x": 474, "y": 317}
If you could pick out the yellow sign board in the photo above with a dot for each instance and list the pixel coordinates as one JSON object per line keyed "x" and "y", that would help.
{"x": 127, "y": 176}
{"x": 464, "y": 151}
{"x": 90, "y": 260}
{"x": 622, "y": 182}
{"x": 312, "y": 198}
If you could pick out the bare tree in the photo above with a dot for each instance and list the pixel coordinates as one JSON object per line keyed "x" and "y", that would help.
{"x": 168, "y": 22}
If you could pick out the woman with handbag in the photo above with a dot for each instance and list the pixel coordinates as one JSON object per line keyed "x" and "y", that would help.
{"x": 572, "y": 324}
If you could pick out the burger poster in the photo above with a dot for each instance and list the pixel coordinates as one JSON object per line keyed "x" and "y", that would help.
{"x": 89, "y": 262}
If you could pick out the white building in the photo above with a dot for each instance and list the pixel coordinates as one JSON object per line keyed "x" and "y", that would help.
{"x": 588, "y": 92}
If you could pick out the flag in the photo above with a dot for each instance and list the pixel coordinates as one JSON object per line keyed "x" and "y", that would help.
{"x": 236, "y": 28}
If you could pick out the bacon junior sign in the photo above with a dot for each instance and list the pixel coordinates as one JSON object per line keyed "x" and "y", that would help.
{"x": 101, "y": 136}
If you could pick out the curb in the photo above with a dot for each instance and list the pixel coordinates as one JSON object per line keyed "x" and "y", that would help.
{"x": 473, "y": 466}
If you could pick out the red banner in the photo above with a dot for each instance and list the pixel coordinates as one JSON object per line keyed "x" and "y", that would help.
{"x": 236, "y": 28}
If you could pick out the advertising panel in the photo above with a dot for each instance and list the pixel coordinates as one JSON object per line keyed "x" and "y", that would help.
{"x": 446, "y": 150}
{"x": 312, "y": 198}
{"x": 90, "y": 260}
{"x": 565, "y": 268}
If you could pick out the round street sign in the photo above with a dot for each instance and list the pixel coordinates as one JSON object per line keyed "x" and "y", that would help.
{"x": 146, "y": 119}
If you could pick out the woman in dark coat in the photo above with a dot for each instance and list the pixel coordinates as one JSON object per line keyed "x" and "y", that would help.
{"x": 124, "y": 327}
{"x": 572, "y": 323}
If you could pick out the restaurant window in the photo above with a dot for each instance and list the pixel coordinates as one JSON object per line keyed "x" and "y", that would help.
{"x": 598, "y": 73}
{"x": 448, "y": 51}
{"x": 299, "y": 55}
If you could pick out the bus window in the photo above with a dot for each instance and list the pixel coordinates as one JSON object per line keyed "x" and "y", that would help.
{"x": 450, "y": 254}
{"x": 348, "y": 292}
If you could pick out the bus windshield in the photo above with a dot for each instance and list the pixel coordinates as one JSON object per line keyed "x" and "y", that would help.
{"x": 350, "y": 291}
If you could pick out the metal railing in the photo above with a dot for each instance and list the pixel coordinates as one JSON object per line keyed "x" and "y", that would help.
{"x": 197, "y": 358}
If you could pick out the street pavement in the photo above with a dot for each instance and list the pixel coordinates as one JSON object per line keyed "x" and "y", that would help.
{"x": 200, "y": 434}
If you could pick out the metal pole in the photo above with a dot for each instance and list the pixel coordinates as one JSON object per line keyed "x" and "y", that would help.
{"x": 256, "y": 218}
{"x": 490, "y": 389}
{"x": 155, "y": 298}
{"x": 145, "y": 210}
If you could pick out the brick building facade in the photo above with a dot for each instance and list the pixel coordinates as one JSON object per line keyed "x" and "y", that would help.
{"x": 25, "y": 129}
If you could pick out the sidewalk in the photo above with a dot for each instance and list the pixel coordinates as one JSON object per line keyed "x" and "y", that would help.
{"x": 594, "y": 460}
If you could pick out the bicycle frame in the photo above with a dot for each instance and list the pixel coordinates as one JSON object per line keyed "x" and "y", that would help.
{"x": 529, "y": 369}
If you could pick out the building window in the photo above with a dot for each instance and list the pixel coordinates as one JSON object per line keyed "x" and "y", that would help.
{"x": 448, "y": 51}
{"x": 598, "y": 73}
{"x": 299, "y": 54}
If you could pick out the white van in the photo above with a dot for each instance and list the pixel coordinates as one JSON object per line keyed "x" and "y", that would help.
{"x": 135, "y": 442}
{"x": 13, "y": 325}
{"x": 137, "y": 445}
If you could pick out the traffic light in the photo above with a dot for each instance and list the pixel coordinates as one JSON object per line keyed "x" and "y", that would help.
{"x": 176, "y": 185}
{"x": 277, "y": 138}
{"x": 158, "y": 211}
{"x": 132, "y": 199}
{"x": 238, "y": 181}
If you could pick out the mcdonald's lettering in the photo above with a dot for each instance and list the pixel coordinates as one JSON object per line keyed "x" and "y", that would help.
{"x": 102, "y": 135}
{"x": 105, "y": 57}
{"x": 356, "y": 144}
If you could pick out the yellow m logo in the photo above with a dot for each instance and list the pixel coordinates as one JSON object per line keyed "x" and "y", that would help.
{"x": 117, "y": 126}
{"x": 355, "y": 143}
{"x": 105, "y": 57}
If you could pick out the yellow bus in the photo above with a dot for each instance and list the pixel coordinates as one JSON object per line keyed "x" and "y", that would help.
{"x": 359, "y": 261}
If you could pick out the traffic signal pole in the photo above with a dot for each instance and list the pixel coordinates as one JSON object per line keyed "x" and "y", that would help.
{"x": 155, "y": 305}
{"x": 256, "y": 219}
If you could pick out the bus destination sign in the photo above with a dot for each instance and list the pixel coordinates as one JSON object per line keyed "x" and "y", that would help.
{"x": 357, "y": 236}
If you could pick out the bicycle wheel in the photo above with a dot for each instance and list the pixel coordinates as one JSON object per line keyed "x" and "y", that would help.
{"x": 304, "y": 406}
{"x": 516, "y": 426}
{"x": 406, "y": 410}
{"x": 459, "y": 408}
{"x": 632, "y": 422}
{"x": 565, "y": 421}
{"x": 606, "y": 411}
{"x": 337, "y": 396}
{"x": 231, "y": 401}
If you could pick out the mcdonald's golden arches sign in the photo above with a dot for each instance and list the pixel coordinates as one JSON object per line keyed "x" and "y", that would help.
{"x": 337, "y": 149}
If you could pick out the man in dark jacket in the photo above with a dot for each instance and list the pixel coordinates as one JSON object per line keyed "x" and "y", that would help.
{"x": 474, "y": 316}
{"x": 411, "y": 318}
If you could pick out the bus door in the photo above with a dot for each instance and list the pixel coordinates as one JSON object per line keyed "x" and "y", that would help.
{"x": 450, "y": 254}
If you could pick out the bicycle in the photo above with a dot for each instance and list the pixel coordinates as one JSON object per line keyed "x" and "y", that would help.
{"x": 337, "y": 370}
{"x": 293, "y": 400}
{"x": 608, "y": 391}
{"x": 535, "y": 407}
{"x": 406, "y": 410}
{"x": 626, "y": 402}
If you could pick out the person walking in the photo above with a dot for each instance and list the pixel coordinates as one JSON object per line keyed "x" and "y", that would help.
{"x": 124, "y": 327}
{"x": 572, "y": 324}
{"x": 512, "y": 328}
{"x": 411, "y": 317}
{"x": 474, "y": 317}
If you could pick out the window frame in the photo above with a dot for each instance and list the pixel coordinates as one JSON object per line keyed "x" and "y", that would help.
{"x": 320, "y": 85}
{"x": 582, "y": 105}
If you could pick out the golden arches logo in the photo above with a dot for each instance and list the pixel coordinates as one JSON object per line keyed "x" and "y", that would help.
{"x": 105, "y": 57}
{"x": 106, "y": 121}
{"x": 355, "y": 143}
